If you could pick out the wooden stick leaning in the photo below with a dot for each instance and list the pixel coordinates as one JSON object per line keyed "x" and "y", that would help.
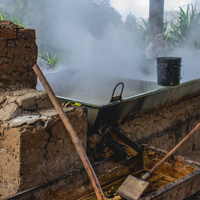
{"x": 132, "y": 188}
{"x": 72, "y": 133}
{"x": 151, "y": 171}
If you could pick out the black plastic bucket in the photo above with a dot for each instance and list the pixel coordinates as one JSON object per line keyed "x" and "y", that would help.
{"x": 168, "y": 71}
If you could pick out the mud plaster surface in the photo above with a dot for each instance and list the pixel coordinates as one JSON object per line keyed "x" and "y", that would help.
{"x": 165, "y": 127}
{"x": 162, "y": 128}
{"x": 18, "y": 54}
{"x": 34, "y": 145}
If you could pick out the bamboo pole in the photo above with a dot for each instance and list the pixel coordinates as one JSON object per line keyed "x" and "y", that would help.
{"x": 72, "y": 133}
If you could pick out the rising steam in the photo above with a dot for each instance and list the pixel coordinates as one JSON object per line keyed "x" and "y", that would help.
{"x": 110, "y": 50}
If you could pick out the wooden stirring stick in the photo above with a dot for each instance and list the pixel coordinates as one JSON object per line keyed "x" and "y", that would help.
{"x": 72, "y": 133}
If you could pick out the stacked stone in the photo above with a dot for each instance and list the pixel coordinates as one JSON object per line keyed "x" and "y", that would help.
{"x": 18, "y": 54}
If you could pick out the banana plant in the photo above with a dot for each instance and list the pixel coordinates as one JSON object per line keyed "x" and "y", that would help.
{"x": 144, "y": 29}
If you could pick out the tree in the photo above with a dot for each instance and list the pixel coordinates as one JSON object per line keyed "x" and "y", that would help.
{"x": 100, "y": 16}
{"x": 130, "y": 22}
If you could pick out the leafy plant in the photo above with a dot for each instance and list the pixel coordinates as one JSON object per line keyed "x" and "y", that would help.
{"x": 179, "y": 30}
{"x": 16, "y": 20}
{"x": 144, "y": 29}
{"x": 51, "y": 58}
{"x": 2, "y": 18}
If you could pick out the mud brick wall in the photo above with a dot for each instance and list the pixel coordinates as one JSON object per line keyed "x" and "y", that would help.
{"x": 165, "y": 127}
{"x": 35, "y": 147}
{"x": 162, "y": 128}
{"x": 18, "y": 54}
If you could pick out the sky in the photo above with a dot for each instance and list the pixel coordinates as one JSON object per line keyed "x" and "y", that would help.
{"x": 140, "y": 8}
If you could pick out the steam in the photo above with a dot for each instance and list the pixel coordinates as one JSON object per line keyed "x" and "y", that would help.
{"x": 190, "y": 68}
{"x": 89, "y": 40}
{"x": 140, "y": 8}
{"x": 95, "y": 52}
{"x": 96, "y": 48}
{"x": 110, "y": 50}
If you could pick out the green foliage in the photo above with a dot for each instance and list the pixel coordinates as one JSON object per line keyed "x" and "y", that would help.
{"x": 52, "y": 59}
{"x": 165, "y": 25}
{"x": 144, "y": 29}
{"x": 99, "y": 16}
{"x": 2, "y": 18}
{"x": 16, "y": 20}
{"x": 130, "y": 22}
{"x": 15, "y": 10}
{"x": 181, "y": 29}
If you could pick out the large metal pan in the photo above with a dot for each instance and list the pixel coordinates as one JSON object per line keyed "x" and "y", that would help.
{"x": 138, "y": 96}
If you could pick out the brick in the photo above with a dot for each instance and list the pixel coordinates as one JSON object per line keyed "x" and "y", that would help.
{"x": 18, "y": 52}
{"x": 8, "y": 33}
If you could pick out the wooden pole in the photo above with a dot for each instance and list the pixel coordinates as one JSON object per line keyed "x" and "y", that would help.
{"x": 172, "y": 152}
{"x": 156, "y": 13}
{"x": 72, "y": 133}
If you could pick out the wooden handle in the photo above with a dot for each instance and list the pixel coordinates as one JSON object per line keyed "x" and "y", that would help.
{"x": 72, "y": 133}
{"x": 145, "y": 176}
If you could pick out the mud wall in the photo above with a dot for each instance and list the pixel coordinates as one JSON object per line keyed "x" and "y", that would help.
{"x": 165, "y": 127}
{"x": 18, "y": 54}
{"x": 35, "y": 147}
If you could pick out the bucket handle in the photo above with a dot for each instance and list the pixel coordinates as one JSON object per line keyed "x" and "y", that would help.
{"x": 119, "y": 97}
